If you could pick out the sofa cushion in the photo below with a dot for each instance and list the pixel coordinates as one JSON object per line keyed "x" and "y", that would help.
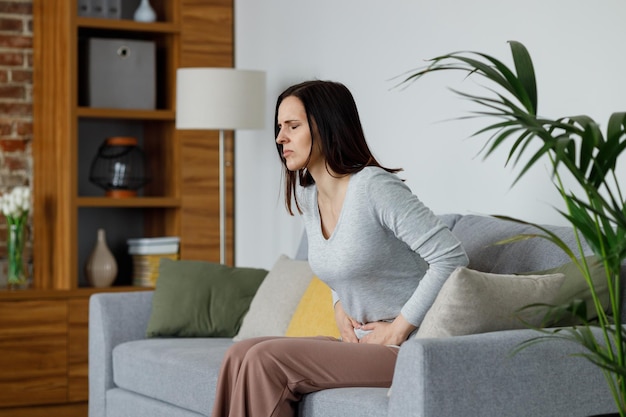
{"x": 180, "y": 371}
{"x": 477, "y": 302}
{"x": 276, "y": 300}
{"x": 344, "y": 402}
{"x": 314, "y": 315}
{"x": 201, "y": 299}
{"x": 123, "y": 403}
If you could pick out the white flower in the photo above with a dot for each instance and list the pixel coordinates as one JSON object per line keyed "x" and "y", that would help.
{"x": 17, "y": 200}
{"x": 16, "y": 203}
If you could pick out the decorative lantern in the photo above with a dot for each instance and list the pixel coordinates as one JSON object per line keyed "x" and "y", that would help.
{"x": 119, "y": 167}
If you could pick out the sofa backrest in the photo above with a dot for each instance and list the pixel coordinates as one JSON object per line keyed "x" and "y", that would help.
{"x": 478, "y": 234}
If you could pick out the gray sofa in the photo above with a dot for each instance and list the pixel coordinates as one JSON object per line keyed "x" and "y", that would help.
{"x": 474, "y": 375}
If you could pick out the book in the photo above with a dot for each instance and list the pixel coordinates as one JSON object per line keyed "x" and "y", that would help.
{"x": 146, "y": 269}
{"x": 154, "y": 240}
{"x": 153, "y": 245}
{"x": 153, "y": 249}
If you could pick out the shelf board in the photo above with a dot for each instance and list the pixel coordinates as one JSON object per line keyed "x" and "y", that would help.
{"x": 100, "y": 113}
{"x": 82, "y": 292}
{"x": 127, "y": 25}
{"x": 134, "y": 202}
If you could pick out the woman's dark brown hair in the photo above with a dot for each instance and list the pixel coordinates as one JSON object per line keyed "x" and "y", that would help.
{"x": 330, "y": 107}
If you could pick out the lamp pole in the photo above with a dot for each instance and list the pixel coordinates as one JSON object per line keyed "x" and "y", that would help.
{"x": 222, "y": 193}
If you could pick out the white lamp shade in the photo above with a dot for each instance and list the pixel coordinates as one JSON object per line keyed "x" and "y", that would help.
{"x": 220, "y": 98}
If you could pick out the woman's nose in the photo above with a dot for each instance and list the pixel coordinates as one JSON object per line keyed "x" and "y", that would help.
{"x": 281, "y": 138}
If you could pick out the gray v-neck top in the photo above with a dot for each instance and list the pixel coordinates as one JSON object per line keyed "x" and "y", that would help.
{"x": 389, "y": 254}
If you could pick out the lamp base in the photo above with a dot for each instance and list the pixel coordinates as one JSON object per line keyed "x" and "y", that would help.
{"x": 121, "y": 193}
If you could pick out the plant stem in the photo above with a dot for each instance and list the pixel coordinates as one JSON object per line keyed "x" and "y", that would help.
{"x": 15, "y": 250}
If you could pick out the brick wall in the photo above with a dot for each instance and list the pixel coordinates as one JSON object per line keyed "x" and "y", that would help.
{"x": 16, "y": 104}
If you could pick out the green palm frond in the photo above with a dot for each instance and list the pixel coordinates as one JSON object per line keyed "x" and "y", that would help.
{"x": 597, "y": 211}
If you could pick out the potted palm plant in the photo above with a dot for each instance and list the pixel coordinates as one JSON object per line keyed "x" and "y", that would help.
{"x": 575, "y": 146}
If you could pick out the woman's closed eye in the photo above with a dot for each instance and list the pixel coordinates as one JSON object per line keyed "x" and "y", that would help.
{"x": 289, "y": 126}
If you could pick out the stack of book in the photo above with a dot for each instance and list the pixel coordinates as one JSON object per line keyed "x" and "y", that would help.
{"x": 147, "y": 254}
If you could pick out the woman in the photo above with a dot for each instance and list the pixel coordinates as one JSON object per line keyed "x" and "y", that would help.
{"x": 383, "y": 253}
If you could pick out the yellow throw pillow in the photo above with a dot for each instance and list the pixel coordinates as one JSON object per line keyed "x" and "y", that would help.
{"x": 314, "y": 315}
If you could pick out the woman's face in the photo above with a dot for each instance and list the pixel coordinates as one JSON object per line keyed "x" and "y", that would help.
{"x": 295, "y": 135}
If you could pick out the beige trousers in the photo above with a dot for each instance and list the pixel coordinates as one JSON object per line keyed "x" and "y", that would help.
{"x": 265, "y": 377}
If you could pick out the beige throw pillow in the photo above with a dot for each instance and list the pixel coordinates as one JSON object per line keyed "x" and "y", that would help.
{"x": 477, "y": 302}
{"x": 575, "y": 287}
{"x": 276, "y": 299}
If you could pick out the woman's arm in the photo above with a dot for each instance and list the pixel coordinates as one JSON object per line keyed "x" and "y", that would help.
{"x": 413, "y": 223}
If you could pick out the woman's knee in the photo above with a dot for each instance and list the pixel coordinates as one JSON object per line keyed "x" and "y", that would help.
{"x": 242, "y": 348}
{"x": 259, "y": 352}
{"x": 267, "y": 357}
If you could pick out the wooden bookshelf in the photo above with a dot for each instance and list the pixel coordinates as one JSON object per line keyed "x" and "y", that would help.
{"x": 182, "y": 197}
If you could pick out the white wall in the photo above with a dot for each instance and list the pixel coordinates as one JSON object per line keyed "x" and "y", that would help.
{"x": 576, "y": 45}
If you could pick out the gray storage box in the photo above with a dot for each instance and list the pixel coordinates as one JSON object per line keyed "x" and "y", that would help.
{"x": 121, "y": 73}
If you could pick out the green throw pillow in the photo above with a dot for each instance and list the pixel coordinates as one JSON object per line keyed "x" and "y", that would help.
{"x": 201, "y": 299}
{"x": 575, "y": 287}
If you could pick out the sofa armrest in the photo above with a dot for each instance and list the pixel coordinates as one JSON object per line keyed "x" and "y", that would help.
{"x": 114, "y": 318}
{"x": 478, "y": 375}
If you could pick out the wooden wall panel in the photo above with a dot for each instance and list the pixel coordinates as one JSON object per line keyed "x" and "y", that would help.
{"x": 200, "y": 192}
{"x": 206, "y": 41}
{"x": 53, "y": 153}
{"x": 201, "y": 157}
{"x": 207, "y": 36}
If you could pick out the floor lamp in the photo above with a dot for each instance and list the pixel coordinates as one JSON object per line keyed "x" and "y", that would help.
{"x": 220, "y": 99}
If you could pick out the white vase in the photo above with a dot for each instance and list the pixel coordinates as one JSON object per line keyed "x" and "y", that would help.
{"x": 101, "y": 267}
{"x": 145, "y": 12}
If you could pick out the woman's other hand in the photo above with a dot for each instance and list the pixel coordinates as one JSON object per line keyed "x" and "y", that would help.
{"x": 346, "y": 324}
{"x": 385, "y": 333}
